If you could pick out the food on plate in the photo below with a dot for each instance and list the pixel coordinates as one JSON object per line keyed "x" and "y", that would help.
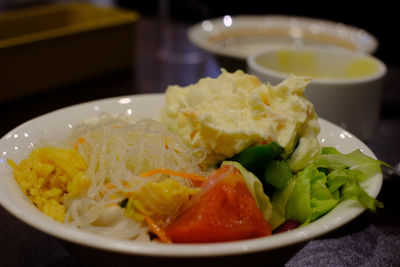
{"x": 144, "y": 180}
{"x": 235, "y": 111}
{"x": 110, "y": 154}
{"x": 49, "y": 175}
{"x": 225, "y": 210}
{"x": 330, "y": 179}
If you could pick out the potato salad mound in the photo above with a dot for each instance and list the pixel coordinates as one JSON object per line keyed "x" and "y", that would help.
{"x": 236, "y": 110}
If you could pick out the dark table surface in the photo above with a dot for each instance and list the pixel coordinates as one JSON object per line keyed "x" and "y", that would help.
{"x": 369, "y": 240}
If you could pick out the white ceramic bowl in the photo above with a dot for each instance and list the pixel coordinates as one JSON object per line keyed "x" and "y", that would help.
{"x": 18, "y": 143}
{"x": 346, "y": 86}
{"x": 233, "y": 38}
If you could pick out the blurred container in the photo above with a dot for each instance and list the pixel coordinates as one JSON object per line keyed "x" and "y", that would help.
{"x": 52, "y": 45}
{"x": 233, "y": 38}
{"x": 346, "y": 86}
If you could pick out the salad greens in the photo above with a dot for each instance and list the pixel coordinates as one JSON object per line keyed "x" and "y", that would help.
{"x": 330, "y": 179}
{"x": 311, "y": 197}
{"x": 312, "y": 192}
{"x": 255, "y": 158}
{"x": 278, "y": 174}
{"x": 279, "y": 202}
{"x": 265, "y": 161}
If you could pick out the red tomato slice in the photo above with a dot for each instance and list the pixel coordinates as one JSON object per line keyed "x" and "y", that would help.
{"x": 224, "y": 211}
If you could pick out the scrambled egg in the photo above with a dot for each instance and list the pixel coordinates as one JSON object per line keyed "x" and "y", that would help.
{"x": 49, "y": 175}
{"x": 235, "y": 110}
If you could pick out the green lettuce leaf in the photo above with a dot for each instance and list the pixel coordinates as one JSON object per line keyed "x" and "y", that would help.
{"x": 278, "y": 173}
{"x": 279, "y": 202}
{"x": 322, "y": 199}
{"x": 333, "y": 159}
{"x": 311, "y": 197}
{"x": 352, "y": 190}
{"x": 330, "y": 179}
{"x": 299, "y": 204}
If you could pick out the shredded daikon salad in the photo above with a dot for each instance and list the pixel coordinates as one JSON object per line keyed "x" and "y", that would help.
{"x": 118, "y": 155}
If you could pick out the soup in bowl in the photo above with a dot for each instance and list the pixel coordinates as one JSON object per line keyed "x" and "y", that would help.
{"x": 345, "y": 86}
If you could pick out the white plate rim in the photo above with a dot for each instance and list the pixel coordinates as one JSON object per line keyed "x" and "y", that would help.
{"x": 199, "y": 37}
{"x": 348, "y": 210}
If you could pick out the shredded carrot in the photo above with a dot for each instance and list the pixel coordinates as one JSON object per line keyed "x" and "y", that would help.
{"x": 166, "y": 143}
{"x": 79, "y": 141}
{"x": 109, "y": 185}
{"x": 157, "y": 230}
{"x": 193, "y": 177}
{"x": 124, "y": 183}
{"x": 193, "y": 134}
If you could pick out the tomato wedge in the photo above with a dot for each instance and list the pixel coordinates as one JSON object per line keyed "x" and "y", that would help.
{"x": 225, "y": 210}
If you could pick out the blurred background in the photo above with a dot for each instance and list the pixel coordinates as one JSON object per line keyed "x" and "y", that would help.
{"x": 138, "y": 60}
{"x": 380, "y": 19}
